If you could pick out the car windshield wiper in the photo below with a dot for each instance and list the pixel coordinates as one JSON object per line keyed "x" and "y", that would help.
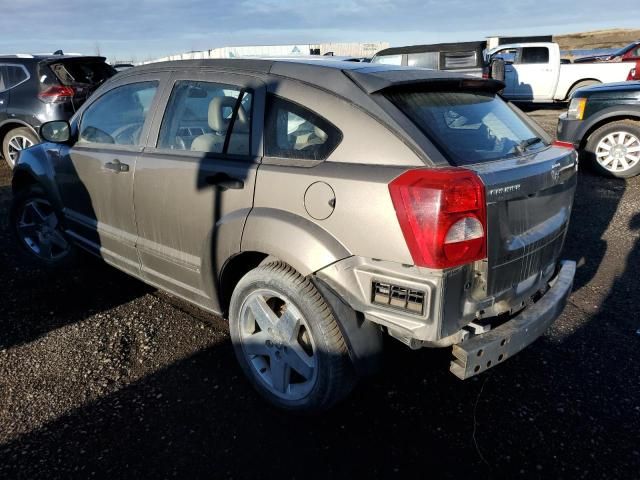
{"x": 523, "y": 145}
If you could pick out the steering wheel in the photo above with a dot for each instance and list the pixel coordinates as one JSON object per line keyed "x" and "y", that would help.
{"x": 128, "y": 134}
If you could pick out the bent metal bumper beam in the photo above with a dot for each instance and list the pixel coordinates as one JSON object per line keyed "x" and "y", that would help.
{"x": 484, "y": 351}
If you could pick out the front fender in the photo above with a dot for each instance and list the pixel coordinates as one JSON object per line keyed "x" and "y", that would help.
{"x": 34, "y": 167}
{"x": 627, "y": 111}
{"x": 297, "y": 241}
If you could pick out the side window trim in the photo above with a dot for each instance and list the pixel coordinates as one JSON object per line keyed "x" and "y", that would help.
{"x": 77, "y": 119}
{"x": 24, "y": 69}
{"x": 232, "y": 122}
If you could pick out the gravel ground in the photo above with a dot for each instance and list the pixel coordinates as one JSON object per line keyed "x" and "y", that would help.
{"x": 101, "y": 376}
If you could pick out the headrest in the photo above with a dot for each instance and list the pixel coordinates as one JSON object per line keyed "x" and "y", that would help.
{"x": 217, "y": 119}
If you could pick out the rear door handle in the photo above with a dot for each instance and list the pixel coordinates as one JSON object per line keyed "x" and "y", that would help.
{"x": 224, "y": 181}
{"x": 117, "y": 166}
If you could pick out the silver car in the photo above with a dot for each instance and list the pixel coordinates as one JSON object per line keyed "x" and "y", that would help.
{"x": 319, "y": 206}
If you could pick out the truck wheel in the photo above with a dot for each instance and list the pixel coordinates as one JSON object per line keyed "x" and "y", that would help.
{"x": 614, "y": 149}
{"x": 36, "y": 226}
{"x": 16, "y": 140}
{"x": 287, "y": 341}
{"x": 579, "y": 85}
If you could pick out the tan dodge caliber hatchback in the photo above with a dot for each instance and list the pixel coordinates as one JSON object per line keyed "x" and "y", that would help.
{"x": 319, "y": 206}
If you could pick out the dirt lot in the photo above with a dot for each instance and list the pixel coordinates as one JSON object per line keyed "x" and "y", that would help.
{"x": 101, "y": 376}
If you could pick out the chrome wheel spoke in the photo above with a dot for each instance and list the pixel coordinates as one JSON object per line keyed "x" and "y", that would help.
{"x": 28, "y": 230}
{"x": 624, "y": 163}
{"x": 288, "y": 326}
{"x": 299, "y": 360}
{"x": 262, "y": 313}
{"x": 45, "y": 247}
{"x": 256, "y": 344}
{"x": 280, "y": 374}
{"x": 58, "y": 240}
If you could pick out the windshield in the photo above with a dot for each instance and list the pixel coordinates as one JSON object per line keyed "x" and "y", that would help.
{"x": 623, "y": 50}
{"x": 468, "y": 127}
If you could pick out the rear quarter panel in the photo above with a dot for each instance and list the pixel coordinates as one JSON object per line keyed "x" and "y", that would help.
{"x": 358, "y": 171}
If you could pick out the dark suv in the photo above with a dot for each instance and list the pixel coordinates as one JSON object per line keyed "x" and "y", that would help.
{"x": 603, "y": 123}
{"x": 38, "y": 89}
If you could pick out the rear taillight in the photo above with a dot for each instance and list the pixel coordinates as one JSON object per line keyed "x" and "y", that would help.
{"x": 634, "y": 74}
{"x": 57, "y": 94}
{"x": 442, "y": 214}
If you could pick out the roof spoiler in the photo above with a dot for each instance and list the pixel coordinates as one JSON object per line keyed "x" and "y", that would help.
{"x": 377, "y": 81}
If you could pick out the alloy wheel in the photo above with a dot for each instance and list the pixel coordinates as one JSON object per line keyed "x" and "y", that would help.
{"x": 16, "y": 144}
{"x": 39, "y": 229}
{"x": 277, "y": 342}
{"x": 618, "y": 151}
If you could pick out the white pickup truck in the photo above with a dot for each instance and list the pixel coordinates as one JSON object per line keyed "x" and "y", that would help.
{"x": 534, "y": 72}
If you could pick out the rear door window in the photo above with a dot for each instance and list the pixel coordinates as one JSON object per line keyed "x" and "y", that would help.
{"x": 11, "y": 76}
{"x": 534, "y": 55}
{"x": 468, "y": 127}
{"x": 292, "y": 131}
{"x": 200, "y": 114}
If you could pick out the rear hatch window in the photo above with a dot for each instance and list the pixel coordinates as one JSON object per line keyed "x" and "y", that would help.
{"x": 468, "y": 127}
{"x": 74, "y": 72}
{"x": 83, "y": 75}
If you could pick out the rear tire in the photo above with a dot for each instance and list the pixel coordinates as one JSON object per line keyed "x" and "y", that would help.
{"x": 16, "y": 140}
{"x": 287, "y": 340}
{"x": 623, "y": 140}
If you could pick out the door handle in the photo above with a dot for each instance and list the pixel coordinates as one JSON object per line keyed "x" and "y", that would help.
{"x": 117, "y": 166}
{"x": 224, "y": 181}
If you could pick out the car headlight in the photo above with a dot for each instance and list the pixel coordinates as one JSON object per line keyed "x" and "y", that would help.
{"x": 576, "y": 108}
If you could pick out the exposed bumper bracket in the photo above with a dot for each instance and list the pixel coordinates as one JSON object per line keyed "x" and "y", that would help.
{"x": 484, "y": 351}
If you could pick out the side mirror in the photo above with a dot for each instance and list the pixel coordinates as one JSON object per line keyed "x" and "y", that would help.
{"x": 58, "y": 131}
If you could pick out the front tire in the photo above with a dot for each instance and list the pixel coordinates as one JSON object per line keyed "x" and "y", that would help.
{"x": 37, "y": 229}
{"x": 15, "y": 141}
{"x": 614, "y": 149}
{"x": 287, "y": 340}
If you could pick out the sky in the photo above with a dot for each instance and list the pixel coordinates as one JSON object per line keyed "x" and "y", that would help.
{"x": 146, "y": 29}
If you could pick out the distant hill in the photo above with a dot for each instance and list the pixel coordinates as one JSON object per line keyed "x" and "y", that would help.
{"x": 613, "y": 38}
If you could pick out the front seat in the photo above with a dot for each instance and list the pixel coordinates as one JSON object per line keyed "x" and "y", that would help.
{"x": 214, "y": 142}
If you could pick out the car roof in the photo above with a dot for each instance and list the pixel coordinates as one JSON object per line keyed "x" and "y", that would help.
{"x": 332, "y": 75}
{"x": 28, "y": 58}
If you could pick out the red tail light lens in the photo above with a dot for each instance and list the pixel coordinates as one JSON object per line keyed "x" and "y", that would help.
{"x": 560, "y": 144}
{"x": 57, "y": 94}
{"x": 442, "y": 214}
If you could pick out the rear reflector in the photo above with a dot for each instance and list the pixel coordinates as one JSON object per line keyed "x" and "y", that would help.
{"x": 57, "y": 94}
{"x": 442, "y": 214}
{"x": 560, "y": 144}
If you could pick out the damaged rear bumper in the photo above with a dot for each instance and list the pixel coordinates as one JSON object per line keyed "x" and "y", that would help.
{"x": 481, "y": 352}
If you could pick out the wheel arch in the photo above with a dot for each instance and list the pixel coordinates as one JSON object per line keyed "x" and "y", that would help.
{"x": 35, "y": 169}
{"x": 593, "y": 81}
{"x": 295, "y": 240}
{"x": 8, "y": 125}
{"x": 603, "y": 120}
